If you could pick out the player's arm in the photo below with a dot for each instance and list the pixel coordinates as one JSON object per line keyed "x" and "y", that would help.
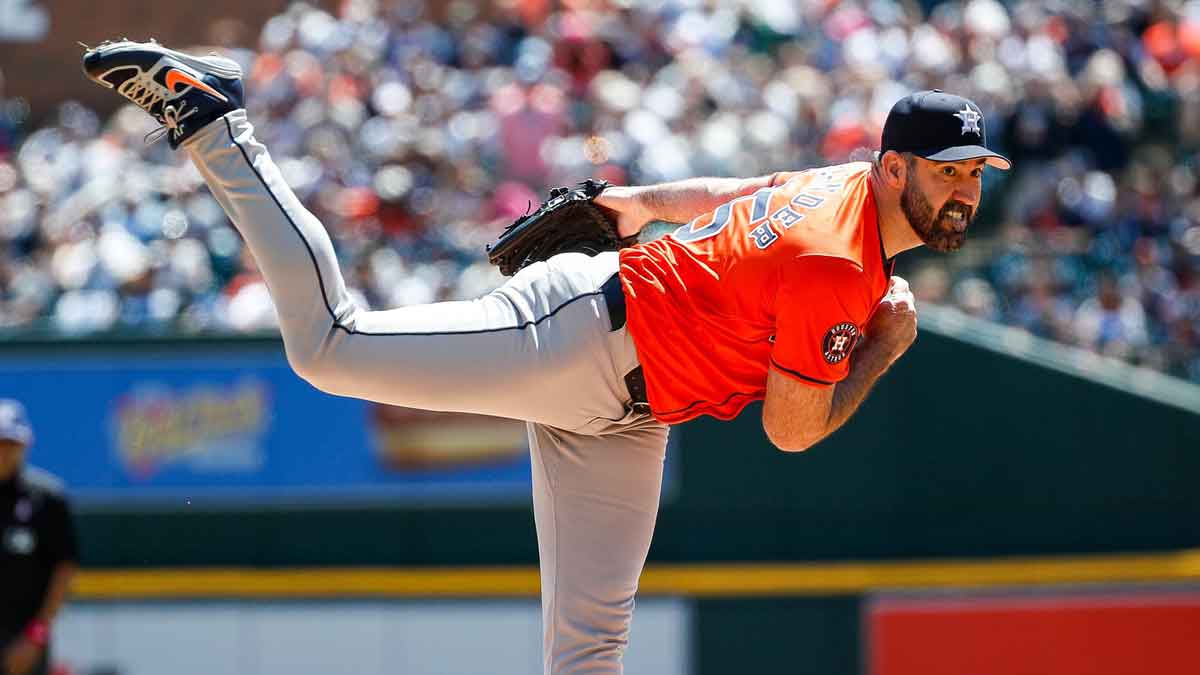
{"x": 799, "y": 411}
{"x": 64, "y": 547}
{"x": 676, "y": 202}
{"x": 57, "y": 590}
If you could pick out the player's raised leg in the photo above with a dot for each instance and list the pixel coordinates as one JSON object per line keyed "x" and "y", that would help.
{"x": 536, "y": 334}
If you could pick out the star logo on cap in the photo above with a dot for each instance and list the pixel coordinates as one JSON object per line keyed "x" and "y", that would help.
{"x": 970, "y": 120}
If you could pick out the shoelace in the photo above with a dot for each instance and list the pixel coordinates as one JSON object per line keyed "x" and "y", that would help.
{"x": 171, "y": 122}
{"x": 142, "y": 91}
{"x": 145, "y": 93}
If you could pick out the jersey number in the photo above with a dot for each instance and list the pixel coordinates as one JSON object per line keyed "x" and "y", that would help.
{"x": 763, "y": 234}
{"x": 722, "y": 216}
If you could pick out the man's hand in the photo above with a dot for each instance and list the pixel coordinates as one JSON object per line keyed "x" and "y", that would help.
{"x": 796, "y": 416}
{"x": 21, "y": 656}
{"x": 893, "y": 326}
{"x": 624, "y": 206}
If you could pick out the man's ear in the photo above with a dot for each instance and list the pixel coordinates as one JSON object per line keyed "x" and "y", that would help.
{"x": 895, "y": 169}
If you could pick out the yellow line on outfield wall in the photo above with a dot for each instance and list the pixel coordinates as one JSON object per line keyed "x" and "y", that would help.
{"x": 696, "y": 580}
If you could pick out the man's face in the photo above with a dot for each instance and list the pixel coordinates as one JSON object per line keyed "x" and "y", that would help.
{"x": 940, "y": 198}
{"x": 12, "y": 457}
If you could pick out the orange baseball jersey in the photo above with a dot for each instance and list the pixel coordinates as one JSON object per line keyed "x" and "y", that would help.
{"x": 784, "y": 278}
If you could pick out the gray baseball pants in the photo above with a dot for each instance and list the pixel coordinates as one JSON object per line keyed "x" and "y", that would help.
{"x": 540, "y": 348}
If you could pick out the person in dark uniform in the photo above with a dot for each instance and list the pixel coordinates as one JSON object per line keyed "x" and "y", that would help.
{"x": 38, "y": 552}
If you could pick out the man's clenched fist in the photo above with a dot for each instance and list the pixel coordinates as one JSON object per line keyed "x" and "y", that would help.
{"x": 893, "y": 326}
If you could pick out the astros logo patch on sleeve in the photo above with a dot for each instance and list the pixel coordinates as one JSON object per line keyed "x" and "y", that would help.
{"x": 839, "y": 341}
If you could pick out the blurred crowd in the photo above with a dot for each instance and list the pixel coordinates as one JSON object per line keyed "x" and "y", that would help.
{"x": 415, "y": 131}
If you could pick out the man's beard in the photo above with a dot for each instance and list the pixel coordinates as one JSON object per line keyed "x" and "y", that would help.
{"x": 940, "y": 233}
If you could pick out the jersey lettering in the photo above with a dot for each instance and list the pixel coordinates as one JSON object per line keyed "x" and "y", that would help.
{"x": 763, "y": 235}
{"x": 787, "y": 217}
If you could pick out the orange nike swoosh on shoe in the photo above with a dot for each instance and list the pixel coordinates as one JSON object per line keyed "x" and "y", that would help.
{"x": 175, "y": 77}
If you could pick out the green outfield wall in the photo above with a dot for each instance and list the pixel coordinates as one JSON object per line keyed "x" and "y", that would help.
{"x": 961, "y": 451}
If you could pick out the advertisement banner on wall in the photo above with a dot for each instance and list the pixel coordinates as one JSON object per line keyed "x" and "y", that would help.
{"x": 203, "y": 429}
{"x": 1111, "y": 631}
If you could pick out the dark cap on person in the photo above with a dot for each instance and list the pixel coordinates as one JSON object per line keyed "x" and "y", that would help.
{"x": 939, "y": 127}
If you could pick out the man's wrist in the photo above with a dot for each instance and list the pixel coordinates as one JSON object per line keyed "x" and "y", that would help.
{"x": 871, "y": 359}
{"x": 38, "y": 632}
{"x": 635, "y": 196}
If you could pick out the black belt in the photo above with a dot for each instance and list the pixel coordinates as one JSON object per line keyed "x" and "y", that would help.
{"x": 614, "y": 297}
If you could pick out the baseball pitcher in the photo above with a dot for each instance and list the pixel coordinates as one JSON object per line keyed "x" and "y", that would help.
{"x": 777, "y": 288}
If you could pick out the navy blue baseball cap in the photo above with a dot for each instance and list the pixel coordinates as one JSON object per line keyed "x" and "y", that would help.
{"x": 14, "y": 423}
{"x": 939, "y": 127}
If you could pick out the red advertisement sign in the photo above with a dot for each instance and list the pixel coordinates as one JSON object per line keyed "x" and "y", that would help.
{"x": 1096, "y": 633}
